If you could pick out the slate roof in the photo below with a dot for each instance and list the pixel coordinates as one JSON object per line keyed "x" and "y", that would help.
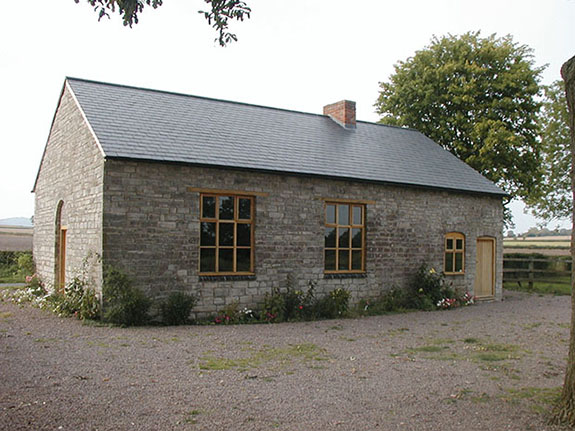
{"x": 144, "y": 124}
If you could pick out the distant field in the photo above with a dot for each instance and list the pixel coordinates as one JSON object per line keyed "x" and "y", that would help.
{"x": 549, "y": 245}
{"x": 542, "y": 238}
{"x": 534, "y": 243}
{"x": 15, "y": 238}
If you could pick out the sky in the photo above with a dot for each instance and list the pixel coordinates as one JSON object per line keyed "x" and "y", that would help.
{"x": 300, "y": 55}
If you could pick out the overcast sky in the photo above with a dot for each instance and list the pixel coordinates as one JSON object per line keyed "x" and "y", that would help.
{"x": 301, "y": 55}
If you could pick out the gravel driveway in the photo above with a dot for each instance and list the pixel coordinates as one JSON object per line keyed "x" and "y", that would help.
{"x": 493, "y": 366}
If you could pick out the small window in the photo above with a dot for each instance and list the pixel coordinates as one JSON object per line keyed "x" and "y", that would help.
{"x": 454, "y": 261}
{"x": 226, "y": 234}
{"x": 344, "y": 238}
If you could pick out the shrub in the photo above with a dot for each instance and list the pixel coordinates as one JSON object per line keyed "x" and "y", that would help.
{"x": 35, "y": 285}
{"x": 292, "y": 304}
{"x": 15, "y": 265}
{"x": 273, "y": 306}
{"x": 78, "y": 299}
{"x": 68, "y": 303}
{"x": 176, "y": 309}
{"x": 26, "y": 264}
{"x": 230, "y": 314}
{"x": 89, "y": 305}
{"x": 333, "y": 305}
{"x": 390, "y": 300}
{"x": 123, "y": 304}
{"x": 426, "y": 289}
{"x": 295, "y": 304}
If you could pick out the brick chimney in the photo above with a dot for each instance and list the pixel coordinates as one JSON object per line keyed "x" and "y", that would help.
{"x": 342, "y": 112}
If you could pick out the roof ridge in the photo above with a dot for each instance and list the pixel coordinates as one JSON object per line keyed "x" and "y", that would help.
{"x": 175, "y": 93}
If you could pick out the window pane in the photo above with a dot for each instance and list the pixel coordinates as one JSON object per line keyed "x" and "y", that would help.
{"x": 245, "y": 209}
{"x": 342, "y": 214}
{"x": 330, "y": 237}
{"x": 459, "y": 244}
{"x": 226, "y": 207}
{"x": 226, "y": 260}
{"x": 207, "y": 260}
{"x": 244, "y": 234}
{"x": 357, "y": 219}
{"x": 356, "y": 259}
{"x": 330, "y": 214}
{"x": 244, "y": 260}
{"x": 343, "y": 264}
{"x": 356, "y": 238}
{"x": 226, "y": 234}
{"x": 209, "y": 207}
{"x": 458, "y": 262}
{"x": 448, "y": 262}
{"x": 330, "y": 260}
{"x": 208, "y": 234}
{"x": 343, "y": 237}
{"x": 449, "y": 244}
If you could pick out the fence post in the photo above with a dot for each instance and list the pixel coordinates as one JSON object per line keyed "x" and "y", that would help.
{"x": 531, "y": 267}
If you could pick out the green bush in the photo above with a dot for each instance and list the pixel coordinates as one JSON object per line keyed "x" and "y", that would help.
{"x": 295, "y": 304}
{"x": 89, "y": 305}
{"x": 123, "y": 304}
{"x": 26, "y": 264}
{"x": 176, "y": 309}
{"x": 333, "y": 305}
{"x": 10, "y": 270}
{"x": 273, "y": 306}
{"x": 390, "y": 300}
{"x": 78, "y": 299}
{"x": 9, "y": 258}
{"x": 426, "y": 289}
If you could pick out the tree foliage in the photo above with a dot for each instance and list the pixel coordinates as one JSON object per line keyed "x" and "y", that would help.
{"x": 221, "y": 12}
{"x": 477, "y": 97}
{"x": 565, "y": 409}
{"x": 552, "y": 198}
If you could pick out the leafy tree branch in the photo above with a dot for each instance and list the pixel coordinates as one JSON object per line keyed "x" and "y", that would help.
{"x": 219, "y": 16}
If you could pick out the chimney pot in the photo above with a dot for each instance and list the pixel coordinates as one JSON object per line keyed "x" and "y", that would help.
{"x": 342, "y": 112}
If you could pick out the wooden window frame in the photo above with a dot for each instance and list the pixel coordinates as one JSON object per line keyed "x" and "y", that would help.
{"x": 351, "y": 204}
{"x": 235, "y": 221}
{"x": 454, "y": 236}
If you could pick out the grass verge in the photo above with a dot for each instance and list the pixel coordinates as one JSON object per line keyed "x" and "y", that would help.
{"x": 558, "y": 286}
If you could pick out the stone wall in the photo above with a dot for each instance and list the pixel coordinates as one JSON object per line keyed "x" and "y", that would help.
{"x": 71, "y": 172}
{"x": 151, "y": 231}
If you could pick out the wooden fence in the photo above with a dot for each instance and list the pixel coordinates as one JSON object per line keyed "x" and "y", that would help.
{"x": 540, "y": 269}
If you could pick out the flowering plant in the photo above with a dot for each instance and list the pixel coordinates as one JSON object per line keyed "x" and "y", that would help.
{"x": 467, "y": 299}
{"x": 446, "y": 303}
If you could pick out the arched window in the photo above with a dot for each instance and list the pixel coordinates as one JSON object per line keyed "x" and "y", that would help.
{"x": 454, "y": 259}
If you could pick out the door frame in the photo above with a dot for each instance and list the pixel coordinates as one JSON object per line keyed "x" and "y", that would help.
{"x": 62, "y": 259}
{"x": 493, "y": 242}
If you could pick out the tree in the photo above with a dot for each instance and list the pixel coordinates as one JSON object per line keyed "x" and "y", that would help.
{"x": 551, "y": 198}
{"x": 218, "y": 17}
{"x": 476, "y": 97}
{"x": 565, "y": 411}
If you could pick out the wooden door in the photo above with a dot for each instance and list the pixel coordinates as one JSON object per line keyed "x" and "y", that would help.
{"x": 62, "y": 260}
{"x": 485, "y": 268}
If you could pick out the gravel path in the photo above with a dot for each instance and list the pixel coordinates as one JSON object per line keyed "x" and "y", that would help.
{"x": 486, "y": 367}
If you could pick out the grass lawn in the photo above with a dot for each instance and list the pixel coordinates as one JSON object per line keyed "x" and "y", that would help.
{"x": 558, "y": 286}
{"x": 9, "y": 274}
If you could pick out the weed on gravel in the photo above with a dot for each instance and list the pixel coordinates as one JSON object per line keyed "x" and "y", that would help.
{"x": 265, "y": 356}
